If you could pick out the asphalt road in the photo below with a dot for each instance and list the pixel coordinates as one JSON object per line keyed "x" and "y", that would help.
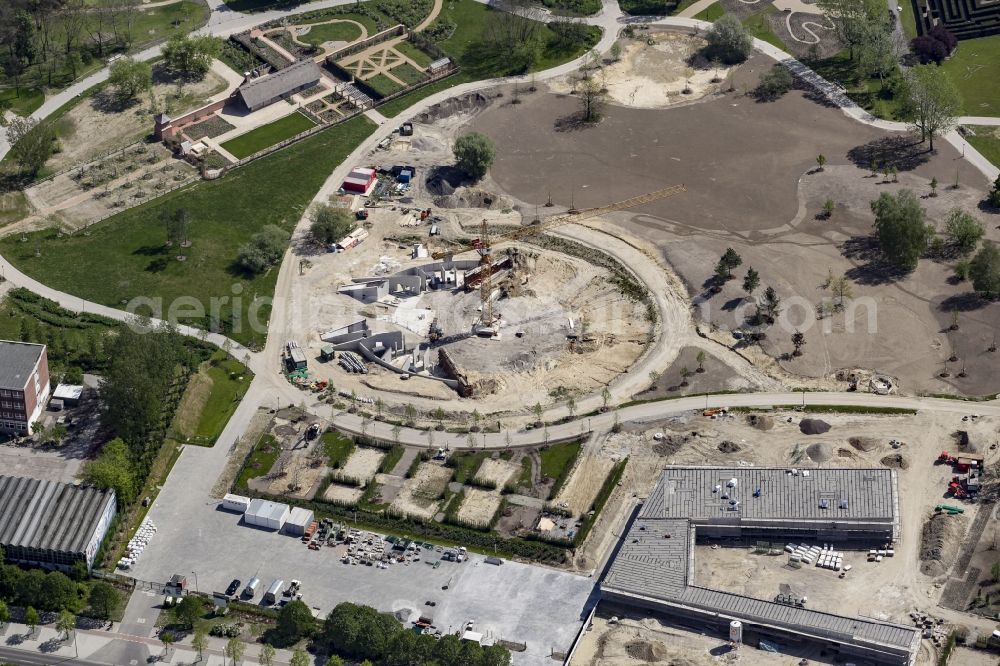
{"x": 25, "y": 658}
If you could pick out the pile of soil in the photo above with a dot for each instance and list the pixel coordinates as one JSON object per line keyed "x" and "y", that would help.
{"x": 472, "y": 102}
{"x": 644, "y": 651}
{"x": 813, "y": 427}
{"x": 670, "y": 444}
{"x": 896, "y": 461}
{"x": 729, "y": 447}
{"x": 819, "y": 452}
{"x": 863, "y": 443}
{"x": 760, "y": 421}
{"x": 468, "y": 197}
{"x": 939, "y": 542}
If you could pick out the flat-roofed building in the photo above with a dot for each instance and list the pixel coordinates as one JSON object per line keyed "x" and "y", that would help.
{"x": 24, "y": 385}
{"x": 653, "y": 568}
{"x": 51, "y": 524}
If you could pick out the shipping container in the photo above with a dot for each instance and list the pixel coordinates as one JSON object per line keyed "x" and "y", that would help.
{"x": 273, "y": 592}
{"x": 250, "y": 591}
{"x": 237, "y": 503}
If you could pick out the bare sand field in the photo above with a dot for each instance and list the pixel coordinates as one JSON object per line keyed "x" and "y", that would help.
{"x": 478, "y": 506}
{"x": 497, "y": 470}
{"x": 420, "y": 495}
{"x": 363, "y": 463}
{"x": 585, "y": 481}
{"x": 336, "y": 492}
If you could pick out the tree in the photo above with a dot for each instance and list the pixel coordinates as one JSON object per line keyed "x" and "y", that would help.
{"x": 935, "y": 100}
{"x": 842, "y": 289}
{"x": 729, "y": 41}
{"x": 995, "y": 572}
{"x": 962, "y": 268}
{"x": 235, "y": 649}
{"x": 775, "y": 83}
{"x": 700, "y": 358}
{"x": 176, "y": 223}
{"x": 878, "y": 50}
{"x": 200, "y": 644}
{"x": 330, "y": 224}
{"x": 798, "y": 340}
{"x": 4, "y": 614}
{"x": 264, "y": 250}
{"x": 474, "y": 154}
{"x": 168, "y": 639}
{"x": 129, "y": 77}
{"x": 963, "y": 230}
{"x": 31, "y": 142}
{"x": 24, "y": 48}
{"x": 685, "y": 373}
{"x": 615, "y": 52}
{"x": 508, "y": 36}
{"x": 334, "y": 660}
{"x": 900, "y": 228}
{"x": 295, "y": 621}
{"x": 984, "y": 271}
{"x": 592, "y": 98}
{"x": 266, "y": 656}
{"x": 820, "y": 162}
{"x": 299, "y": 658}
{"x": 852, "y": 19}
{"x": 769, "y": 306}
{"x": 934, "y": 46}
{"x": 730, "y": 259}
{"x": 828, "y": 208}
{"x": 994, "y": 196}
{"x": 571, "y": 406}
{"x": 359, "y": 632}
{"x": 104, "y": 600}
{"x": 58, "y": 591}
{"x": 537, "y": 409}
{"x": 188, "y": 610}
{"x": 722, "y": 273}
{"x": 190, "y": 57}
{"x": 66, "y": 623}
{"x": 751, "y": 281}
{"x": 113, "y": 468}
{"x": 31, "y": 618}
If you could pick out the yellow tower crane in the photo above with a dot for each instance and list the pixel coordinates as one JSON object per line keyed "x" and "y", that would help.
{"x": 484, "y": 244}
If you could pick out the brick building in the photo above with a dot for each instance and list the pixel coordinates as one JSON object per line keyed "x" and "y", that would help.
{"x": 24, "y": 385}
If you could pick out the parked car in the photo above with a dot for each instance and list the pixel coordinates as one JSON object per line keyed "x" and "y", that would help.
{"x": 233, "y": 587}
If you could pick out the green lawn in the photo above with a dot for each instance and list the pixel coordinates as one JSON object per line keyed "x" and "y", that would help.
{"x": 653, "y": 7}
{"x": 711, "y": 13}
{"x": 987, "y": 142}
{"x": 337, "y": 447}
{"x": 261, "y": 460}
{"x": 867, "y": 92}
{"x": 383, "y": 85}
{"x": 331, "y": 32}
{"x": 320, "y": 15}
{"x": 13, "y": 207}
{"x": 230, "y": 380}
{"x": 414, "y": 54}
{"x": 975, "y": 70}
{"x": 24, "y": 103}
{"x": 266, "y": 136}
{"x": 573, "y": 7}
{"x": 125, "y": 256}
{"x": 408, "y": 73}
{"x": 908, "y": 20}
{"x": 466, "y": 464}
{"x": 558, "y": 457}
{"x": 167, "y": 20}
{"x": 759, "y": 27}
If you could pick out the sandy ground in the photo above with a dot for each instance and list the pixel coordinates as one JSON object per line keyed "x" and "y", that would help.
{"x": 363, "y": 463}
{"x": 498, "y": 471}
{"x": 298, "y": 475}
{"x": 419, "y": 495}
{"x": 746, "y": 167}
{"x": 96, "y": 129}
{"x": 578, "y": 493}
{"x": 654, "y": 76}
{"x": 344, "y": 494}
{"x": 478, "y": 506}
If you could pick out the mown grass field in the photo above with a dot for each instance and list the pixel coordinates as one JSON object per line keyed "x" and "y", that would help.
{"x": 126, "y": 255}
{"x": 266, "y": 136}
{"x": 987, "y": 142}
{"x": 974, "y": 68}
{"x": 331, "y": 32}
{"x": 211, "y": 397}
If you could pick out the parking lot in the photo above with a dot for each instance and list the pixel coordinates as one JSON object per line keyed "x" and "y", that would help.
{"x": 521, "y": 603}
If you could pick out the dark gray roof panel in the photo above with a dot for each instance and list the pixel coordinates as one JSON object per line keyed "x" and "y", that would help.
{"x": 47, "y": 515}
{"x": 264, "y": 89}
{"x": 17, "y": 361}
{"x": 689, "y": 492}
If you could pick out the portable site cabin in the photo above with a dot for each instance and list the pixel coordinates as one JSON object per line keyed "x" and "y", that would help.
{"x": 298, "y": 521}
{"x": 69, "y": 394}
{"x": 360, "y": 180}
{"x": 326, "y": 353}
{"x": 263, "y": 513}
{"x": 237, "y": 503}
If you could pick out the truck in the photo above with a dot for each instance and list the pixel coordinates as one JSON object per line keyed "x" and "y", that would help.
{"x": 250, "y": 591}
{"x": 273, "y": 592}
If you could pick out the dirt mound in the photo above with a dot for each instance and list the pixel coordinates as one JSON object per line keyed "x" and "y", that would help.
{"x": 761, "y": 421}
{"x": 444, "y": 180}
{"x": 896, "y": 461}
{"x": 729, "y": 447}
{"x": 468, "y": 197}
{"x": 473, "y": 102}
{"x": 643, "y": 651}
{"x": 863, "y": 443}
{"x": 819, "y": 452}
{"x": 813, "y": 427}
{"x": 670, "y": 444}
{"x": 939, "y": 541}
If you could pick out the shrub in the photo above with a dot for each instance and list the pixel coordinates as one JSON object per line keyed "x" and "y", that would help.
{"x": 775, "y": 83}
{"x": 729, "y": 41}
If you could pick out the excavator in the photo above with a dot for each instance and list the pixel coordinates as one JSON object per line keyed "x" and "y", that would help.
{"x": 484, "y": 246}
